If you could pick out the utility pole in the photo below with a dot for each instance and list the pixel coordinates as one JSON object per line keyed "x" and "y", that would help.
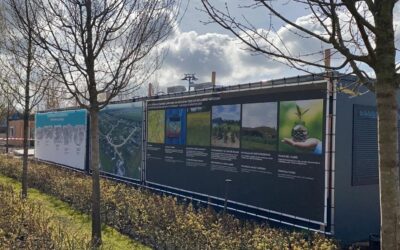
{"x": 190, "y": 78}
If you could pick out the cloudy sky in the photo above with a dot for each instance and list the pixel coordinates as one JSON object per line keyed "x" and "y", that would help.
{"x": 200, "y": 49}
{"x": 260, "y": 115}
{"x": 226, "y": 112}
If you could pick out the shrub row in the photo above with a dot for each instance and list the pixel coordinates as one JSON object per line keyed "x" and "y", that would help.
{"x": 25, "y": 225}
{"x": 159, "y": 220}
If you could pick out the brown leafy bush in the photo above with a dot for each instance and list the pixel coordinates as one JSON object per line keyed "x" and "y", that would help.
{"x": 24, "y": 225}
{"x": 159, "y": 220}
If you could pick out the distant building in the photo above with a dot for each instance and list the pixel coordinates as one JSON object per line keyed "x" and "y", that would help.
{"x": 16, "y": 129}
{"x": 176, "y": 89}
{"x": 3, "y": 127}
{"x": 203, "y": 85}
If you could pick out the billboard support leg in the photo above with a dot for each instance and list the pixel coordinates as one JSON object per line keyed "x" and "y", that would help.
{"x": 227, "y": 181}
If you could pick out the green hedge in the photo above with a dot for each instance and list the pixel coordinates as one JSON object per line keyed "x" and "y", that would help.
{"x": 159, "y": 220}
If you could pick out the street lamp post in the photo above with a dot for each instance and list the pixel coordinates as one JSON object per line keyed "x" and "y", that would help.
{"x": 227, "y": 181}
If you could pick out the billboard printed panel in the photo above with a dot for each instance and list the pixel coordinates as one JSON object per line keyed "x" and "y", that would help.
{"x": 259, "y": 126}
{"x": 300, "y": 126}
{"x": 198, "y": 126}
{"x": 156, "y": 124}
{"x": 226, "y": 126}
{"x": 270, "y": 145}
{"x": 61, "y": 137}
{"x": 120, "y": 138}
{"x": 175, "y": 126}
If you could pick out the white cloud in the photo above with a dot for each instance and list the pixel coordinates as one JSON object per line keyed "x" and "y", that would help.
{"x": 190, "y": 52}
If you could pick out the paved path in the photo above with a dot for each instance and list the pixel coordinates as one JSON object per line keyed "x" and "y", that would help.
{"x": 31, "y": 152}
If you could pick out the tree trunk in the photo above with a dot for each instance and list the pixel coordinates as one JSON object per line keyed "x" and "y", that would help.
{"x": 388, "y": 164}
{"x": 386, "y": 89}
{"x": 94, "y": 166}
{"x": 25, "y": 155}
{"x": 26, "y": 117}
{"x": 94, "y": 130}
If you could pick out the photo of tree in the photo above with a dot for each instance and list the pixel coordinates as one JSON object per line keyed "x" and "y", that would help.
{"x": 120, "y": 139}
{"x": 156, "y": 126}
{"x": 198, "y": 126}
{"x": 259, "y": 126}
{"x": 301, "y": 126}
{"x": 175, "y": 126}
{"x": 226, "y": 126}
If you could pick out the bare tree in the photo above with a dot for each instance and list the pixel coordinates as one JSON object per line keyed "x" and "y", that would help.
{"x": 3, "y": 112}
{"x": 4, "y": 97}
{"x": 56, "y": 96}
{"x": 3, "y": 106}
{"x": 6, "y": 108}
{"x": 22, "y": 75}
{"x": 361, "y": 34}
{"x": 101, "y": 49}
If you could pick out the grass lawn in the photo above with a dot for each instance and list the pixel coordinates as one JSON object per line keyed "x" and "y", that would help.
{"x": 75, "y": 222}
{"x": 251, "y": 144}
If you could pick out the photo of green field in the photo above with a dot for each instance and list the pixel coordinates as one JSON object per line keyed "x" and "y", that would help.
{"x": 259, "y": 126}
{"x": 301, "y": 126}
{"x": 198, "y": 126}
{"x": 156, "y": 126}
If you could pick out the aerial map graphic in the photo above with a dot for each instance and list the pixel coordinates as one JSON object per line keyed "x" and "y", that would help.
{"x": 120, "y": 138}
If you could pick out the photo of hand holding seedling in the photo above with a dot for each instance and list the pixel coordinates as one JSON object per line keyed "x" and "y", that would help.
{"x": 300, "y": 129}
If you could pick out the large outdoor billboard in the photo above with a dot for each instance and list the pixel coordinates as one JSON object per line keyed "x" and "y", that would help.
{"x": 120, "y": 138}
{"x": 60, "y": 137}
{"x": 270, "y": 144}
